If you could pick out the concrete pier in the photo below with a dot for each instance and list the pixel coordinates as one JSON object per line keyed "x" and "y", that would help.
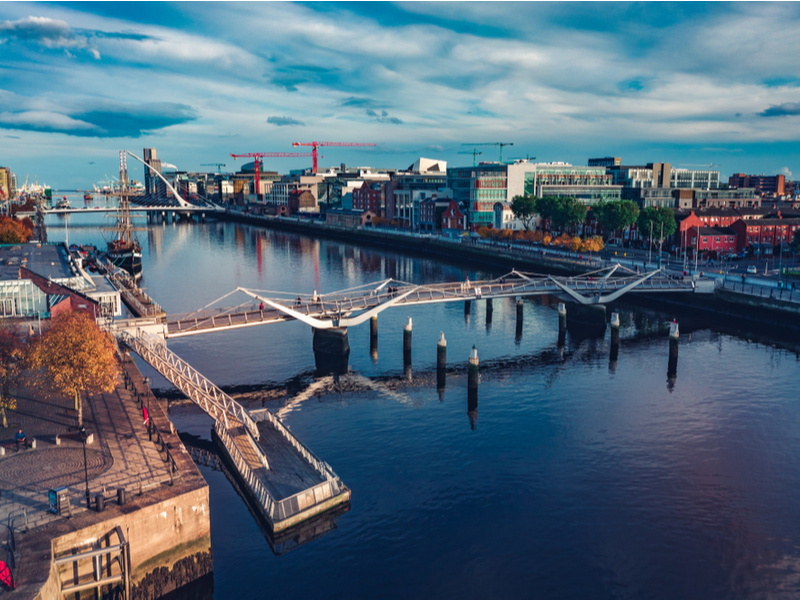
{"x": 331, "y": 350}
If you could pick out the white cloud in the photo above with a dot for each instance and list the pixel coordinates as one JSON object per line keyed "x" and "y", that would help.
{"x": 785, "y": 171}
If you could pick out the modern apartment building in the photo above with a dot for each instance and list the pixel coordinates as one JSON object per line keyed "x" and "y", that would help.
{"x": 153, "y": 186}
{"x": 763, "y": 184}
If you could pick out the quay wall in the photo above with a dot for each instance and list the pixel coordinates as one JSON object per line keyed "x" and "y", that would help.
{"x": 167, "y": 527}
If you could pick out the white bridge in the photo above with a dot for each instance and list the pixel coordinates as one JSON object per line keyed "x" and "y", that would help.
{"x": 354, "y": 306}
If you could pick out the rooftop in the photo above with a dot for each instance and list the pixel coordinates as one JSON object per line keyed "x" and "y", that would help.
{"x": 48, "y": 260}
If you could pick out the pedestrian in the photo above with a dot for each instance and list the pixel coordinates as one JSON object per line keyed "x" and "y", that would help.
{"x": 145, "y": 415}
{"x": 261, "y": 307}
{"x": 299, "y": 301}
{"x": 21, "y": 439}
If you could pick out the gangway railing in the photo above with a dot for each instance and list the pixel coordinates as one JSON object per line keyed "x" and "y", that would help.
{"x": 188, "y": 380}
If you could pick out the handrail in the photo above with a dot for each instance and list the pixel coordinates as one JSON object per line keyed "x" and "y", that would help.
{"x": 262, "y": 495}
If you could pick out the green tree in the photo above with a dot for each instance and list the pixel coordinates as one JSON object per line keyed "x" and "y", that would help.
{"x": 524, "y": 209}
{"x": 569, "y": 212}
{"x": 615, "y": 215}
{"x": 658, "y": 217}
{"x": 11, "y": 353}
{"x": 547, "y": 207}
{"x": 75, "y": 357}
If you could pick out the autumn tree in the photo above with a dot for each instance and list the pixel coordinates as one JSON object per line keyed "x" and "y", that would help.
{"x": 615, "y": 215}
{"x": 524, "y": 209}
{"x": 11, "y": 354}
{"x": 75, "y": 357}
{"x": 13, "y": 231}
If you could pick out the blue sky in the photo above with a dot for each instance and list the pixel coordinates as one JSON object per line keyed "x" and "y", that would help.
{"x": 687, "y": 83}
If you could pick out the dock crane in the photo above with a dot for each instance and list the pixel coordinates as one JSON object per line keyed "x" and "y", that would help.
{"x": 501, "y": 144}
{"x": 475, "y": 155}
{"x": 259, "y": 155}
{"x": 218, "y": 165}
{"x": 315, "y": 145}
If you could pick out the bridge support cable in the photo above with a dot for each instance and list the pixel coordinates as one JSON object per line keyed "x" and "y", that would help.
{"x": 188, "y": 380}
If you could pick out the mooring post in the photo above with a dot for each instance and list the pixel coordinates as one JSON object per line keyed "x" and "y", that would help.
{"x": 467, "y": 307}
{"x": 614, "y": 353}
{"x": 562, "y": 317}
{"x": 672, "y": 368}
{"x": 472, "y": 387}
{"x": 489, "y": 311}
{"x": 441, "y": 364}
{"x": 373, "y": 329}
{"x": 407, "y": 343}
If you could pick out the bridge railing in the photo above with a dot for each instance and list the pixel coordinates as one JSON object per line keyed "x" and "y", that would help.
{"x": 761, "y": 291}
{"x": 251, "y": 479}
{"x": 187, "y": 379}
{"x": 321, "y": 467}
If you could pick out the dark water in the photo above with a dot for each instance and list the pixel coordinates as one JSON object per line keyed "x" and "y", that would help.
{"x": 573, "y": 478}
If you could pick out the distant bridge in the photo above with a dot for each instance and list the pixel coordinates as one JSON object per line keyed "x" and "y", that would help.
{"x": 354, "y": 306}
{"x": 135, "y": 208}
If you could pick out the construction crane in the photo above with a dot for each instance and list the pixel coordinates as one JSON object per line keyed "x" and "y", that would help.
{"x": 315, "y": 145}
{"x": 475, "y": 155}
{"x": 259, "y": 155}
{"x": 218, "y": 165}
{"x": 501, "y": 144}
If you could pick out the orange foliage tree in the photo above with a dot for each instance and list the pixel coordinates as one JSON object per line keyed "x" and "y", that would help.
{"x": 593, "y": 244}
{"x": 75, "y": 357}
{"x": 11, "y": 354}
{"x": 13, "y": 231}
{"x": 575, "y": 244}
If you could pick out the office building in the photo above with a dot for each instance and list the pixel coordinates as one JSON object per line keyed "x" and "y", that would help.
{"x": 763, "y": 184}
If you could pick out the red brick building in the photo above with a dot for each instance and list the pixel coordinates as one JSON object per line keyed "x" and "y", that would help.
{"x": 762, "y": 236}
{"x": 370, "y": 196}
{"x": 453, "y": 217}
{"x": 719, "y": 240}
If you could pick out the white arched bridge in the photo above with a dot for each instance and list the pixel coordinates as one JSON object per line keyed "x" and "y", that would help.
{"x": 351, "y": 307}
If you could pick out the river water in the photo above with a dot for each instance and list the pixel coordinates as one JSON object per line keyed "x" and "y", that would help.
{"x": 574, "y": 477}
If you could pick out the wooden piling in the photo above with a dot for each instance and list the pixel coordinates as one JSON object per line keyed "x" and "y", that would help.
{"x": 407, "y": 343}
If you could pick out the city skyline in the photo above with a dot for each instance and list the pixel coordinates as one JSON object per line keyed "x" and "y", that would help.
{"x": 687, "y": 84}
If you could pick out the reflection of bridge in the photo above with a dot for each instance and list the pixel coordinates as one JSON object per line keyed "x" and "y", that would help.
{"x": 354, "y": 306}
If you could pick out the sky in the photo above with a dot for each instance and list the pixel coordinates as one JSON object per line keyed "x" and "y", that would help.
{"x": 692, "y": 84}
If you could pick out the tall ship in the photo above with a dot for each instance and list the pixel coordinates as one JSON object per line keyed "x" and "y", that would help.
{"x": 123, "y": 250}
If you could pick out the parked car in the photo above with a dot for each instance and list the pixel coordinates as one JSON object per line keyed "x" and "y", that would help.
{"x": 751, "y": 269}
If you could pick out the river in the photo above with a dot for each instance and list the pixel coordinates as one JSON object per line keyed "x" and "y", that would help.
{"x": 574, "y": 477}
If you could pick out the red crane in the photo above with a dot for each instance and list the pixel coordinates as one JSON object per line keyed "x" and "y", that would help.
{"x": 315, "y": 145}
{"x": 259, "y": 155}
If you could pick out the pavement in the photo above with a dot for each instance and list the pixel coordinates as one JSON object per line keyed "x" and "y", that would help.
{"x": 120, "y": 455}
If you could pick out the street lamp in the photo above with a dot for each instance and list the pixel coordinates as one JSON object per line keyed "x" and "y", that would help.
{"x": 84, "y": 436}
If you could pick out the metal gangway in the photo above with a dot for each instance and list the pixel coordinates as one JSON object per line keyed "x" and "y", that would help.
{"x": 356, "y": 305}
{"x": 284, "y": 479}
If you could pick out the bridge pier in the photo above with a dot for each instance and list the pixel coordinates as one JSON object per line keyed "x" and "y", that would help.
{"x": 489, "y": 311}
{"x": 331, "y": 350}
{"x": 585, "y": 321}
{"x": 373, "y": 338}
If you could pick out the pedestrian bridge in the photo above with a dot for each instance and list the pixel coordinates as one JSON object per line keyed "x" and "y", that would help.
{"x": 347, "y": 308}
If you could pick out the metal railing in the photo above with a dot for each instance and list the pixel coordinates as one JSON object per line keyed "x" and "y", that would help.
{"x": 762, "y": 291}
{"x": 257, "y": 488}
{"x": 188, "y": 380}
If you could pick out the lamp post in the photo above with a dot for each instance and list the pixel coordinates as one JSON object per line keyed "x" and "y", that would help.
{"x": 84, "y": 436}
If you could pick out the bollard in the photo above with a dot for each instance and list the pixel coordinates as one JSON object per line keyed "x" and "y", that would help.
{"x": 33, "y": 444}
{"x": 472, "y": 369}
{"x": 614, "y": 337}
{"x": 58, "y": 440}
{"x": 441, "y": 352}
{"x": 407, "y": 343}
{"x": 472, "y": 388}
{"x": 99, "y": 502}
{"x": 121, "y": 496}
{"x": 672, "y": 368}
{"x": 562, "y": 317}
{"x": 373, "y": 329}
{"x": 519, "y": 311}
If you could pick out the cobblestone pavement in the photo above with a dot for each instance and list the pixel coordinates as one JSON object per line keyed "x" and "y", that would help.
{"x": 121, "y": 454}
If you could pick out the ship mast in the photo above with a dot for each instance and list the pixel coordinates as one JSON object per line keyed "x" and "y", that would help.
{"x": 124, "y": 213}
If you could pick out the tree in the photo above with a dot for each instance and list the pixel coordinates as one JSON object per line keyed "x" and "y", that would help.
{"x": 11, "y": 353}
{"x": 593, "y": 244}
{"x": 657, "y": 216}
{"x": 568, "y": 212}
{"x": 615, "y": 215}
{"x": 75, "y": 357}
{"x": 546, "y": 207}
{"x": 13, "y": 231}
{"x": 524, "y": 209}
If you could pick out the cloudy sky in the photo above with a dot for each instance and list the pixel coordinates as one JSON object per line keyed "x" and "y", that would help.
{"x": 685, "y": 83}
